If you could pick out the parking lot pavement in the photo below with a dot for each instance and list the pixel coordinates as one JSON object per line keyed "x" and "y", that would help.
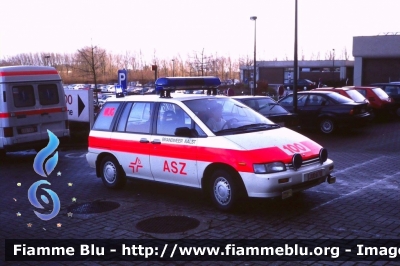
{"x": 363, "y": 204}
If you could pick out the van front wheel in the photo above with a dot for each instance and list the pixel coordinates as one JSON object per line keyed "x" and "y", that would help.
{"x": 224, "y": 191}
{"x": 111, "y": 173}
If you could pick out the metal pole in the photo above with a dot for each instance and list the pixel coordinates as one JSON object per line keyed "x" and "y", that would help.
{"x": 253, "y": 89}
{"x": 173, "y": 67}
{"x": 333, "y": 66}
{"x": 295, "y": 63}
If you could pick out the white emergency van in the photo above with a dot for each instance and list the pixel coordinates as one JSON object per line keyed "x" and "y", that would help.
{"x": 210, "y": 142}
{"x": 32, "y": 101}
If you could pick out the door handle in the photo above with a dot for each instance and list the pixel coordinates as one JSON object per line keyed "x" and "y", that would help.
{"x": 156, "y": 141}
{"x": 44, "y": 114}
{"x": 144, "y": 140}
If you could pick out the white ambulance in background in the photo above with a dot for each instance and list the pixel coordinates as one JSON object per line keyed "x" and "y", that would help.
{"x": 32, "y": 101}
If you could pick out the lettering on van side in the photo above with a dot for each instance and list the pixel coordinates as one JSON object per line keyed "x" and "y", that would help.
{"x": 174, "y": 140}
{"x": 174, "y": 167}
{"x": 136, "y": 165}
{"x": 179, "y": 140}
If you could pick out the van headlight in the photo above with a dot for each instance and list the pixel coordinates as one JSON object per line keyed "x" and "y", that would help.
{"x": 267, "y": 168}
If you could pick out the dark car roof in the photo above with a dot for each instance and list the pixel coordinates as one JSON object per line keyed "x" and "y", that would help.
{"x": 361, "y": 87}
{"x": 250, "y": 97}
{"x": 314, "y": 91}
{"x": 386, "y": 83}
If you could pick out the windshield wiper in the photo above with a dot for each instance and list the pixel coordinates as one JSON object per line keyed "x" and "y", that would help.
{"x": 273, "y": 105}
{"x": 250, "y": 127}
{"x": 254, "y": 125}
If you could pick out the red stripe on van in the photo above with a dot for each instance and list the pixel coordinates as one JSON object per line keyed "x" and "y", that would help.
{"x": 34, "y": 112}
{"x": 241, "y": 160}
{"x": 28, "y": 73}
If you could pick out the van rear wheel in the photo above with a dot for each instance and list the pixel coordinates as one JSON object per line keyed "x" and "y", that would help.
{"x": 111, "y": 173}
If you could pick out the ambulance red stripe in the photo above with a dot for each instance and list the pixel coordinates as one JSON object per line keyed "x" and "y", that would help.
{"x": 28, "y": 73}
{"x": 242, "y": 160}
{"x": 33, "y": 112}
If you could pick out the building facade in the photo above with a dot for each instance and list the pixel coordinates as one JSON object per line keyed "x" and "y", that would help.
{"x": 376, "y": 59}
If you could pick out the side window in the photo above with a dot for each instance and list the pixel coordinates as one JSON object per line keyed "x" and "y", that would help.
{"x": 301, "y": 100}
{"x": 288, "y": 101}
{"x": 316, "y": 100}
{"x": 392, "y": 90}
{"x": 106, "y": 116}
{"x": 139, "y": 118}
{"x": 23, "y": 96}
{"x": 363, "y": 92}
{"x": 169, "y": 117}
{"x": 124, "y": 118}
{"x": 48, "y": 94}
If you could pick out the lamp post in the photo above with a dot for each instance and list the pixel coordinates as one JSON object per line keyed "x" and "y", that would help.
{"x": 254, "y": 71}
{"x": 295, "y": 61}
{"x": 173, "y": 67}
{"x": 47, "y": 57}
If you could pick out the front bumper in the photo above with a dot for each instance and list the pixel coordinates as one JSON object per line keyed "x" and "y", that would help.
{"x": 278, "y": 184}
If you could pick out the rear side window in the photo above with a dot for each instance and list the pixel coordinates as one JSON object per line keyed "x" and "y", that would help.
{"x": 23, "y": 96}
{"x": 106, "y": 116}
{"x": 48, "y": 94}
{"x": 138, "y": 120}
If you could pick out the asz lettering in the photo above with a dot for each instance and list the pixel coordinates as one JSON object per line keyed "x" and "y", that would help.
{"x": 175, "y": 167}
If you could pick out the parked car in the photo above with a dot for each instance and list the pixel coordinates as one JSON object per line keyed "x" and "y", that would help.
{"x": 350, "y": 93}
{"x": 151, "y": 91}
{"x": 110, "y": 88}
{"x": 327, "y": 110}
{"x": 104, "y": 98}
{"x": 140, "y": 90}
{"x": 76, "y": 86}
{"x": 269, "y": 108}
{"x": 379, "y": 100}
{"x": 393, "y": 90}
{"x": 302, "y": 84}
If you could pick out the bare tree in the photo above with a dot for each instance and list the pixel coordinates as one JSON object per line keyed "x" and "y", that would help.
{"x": 90, "y": 59}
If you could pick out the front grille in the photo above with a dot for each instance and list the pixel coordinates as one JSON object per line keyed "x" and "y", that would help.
{"x": 305, "y": 163}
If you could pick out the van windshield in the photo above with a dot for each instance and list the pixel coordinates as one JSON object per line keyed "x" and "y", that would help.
{"x": 227, "y": 116}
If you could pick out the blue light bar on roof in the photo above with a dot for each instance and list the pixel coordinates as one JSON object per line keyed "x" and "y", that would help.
{"x": 186, "y": 83}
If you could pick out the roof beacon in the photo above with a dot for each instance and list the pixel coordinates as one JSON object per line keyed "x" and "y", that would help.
{"x": 164, "y": 86}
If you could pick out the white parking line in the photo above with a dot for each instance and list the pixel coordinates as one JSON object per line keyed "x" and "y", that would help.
{"x": 356, "y": 191}
{"x": 75, "y": 155}
{"x": 358, "y": 165}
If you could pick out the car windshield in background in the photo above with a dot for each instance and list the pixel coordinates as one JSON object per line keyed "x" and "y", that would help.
{"x": 233, "y": 117}
{"x": 265, "y": 106}
{"x": 355, "y": 95}
{"x": 381, "y": 93}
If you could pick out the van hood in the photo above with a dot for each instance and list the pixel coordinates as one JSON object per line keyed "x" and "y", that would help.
{"x": 282, "y": 142}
